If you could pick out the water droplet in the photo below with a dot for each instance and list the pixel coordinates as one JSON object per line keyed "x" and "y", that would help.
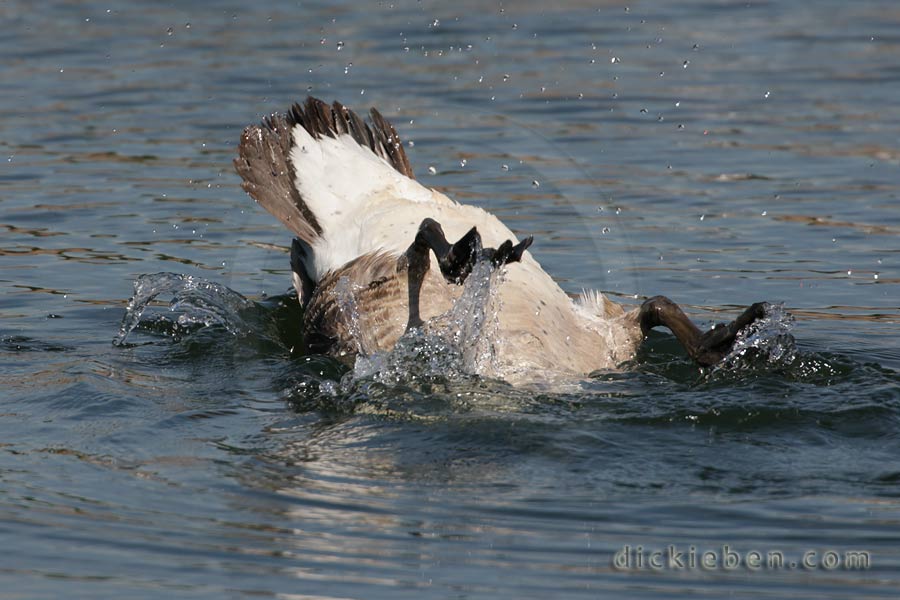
{"x": 506, "y": 77}
{"x": 410, "y": 143}
{"x": 662, "y": 73}
{"x": 849, "y": 272}
{"x": 677, "y": 104}
{"x": 362, "y": 91}
{"x": 875, "y": 276}
{"x": 614, "y": 60}
{"x": 432, "y": 170}
{"x": 702, "y": 217}
{"x": 187, "y": 25}
{"x": 502, "y": 167}
{"x": 536, "y": 183}
{"x": 685, "y": 64}
{"x": 643, "y": 110}
{"x": 764, "y": 213}
{"x": 322, "y": 41}
{"x": 170, "y": 31}
{"x": 436, "y": 23}
{"x": 605, "y": 230}
{"x": 766, "y": 95}
{"x": 462, "y": 163}
{"x": 340, "y": 45}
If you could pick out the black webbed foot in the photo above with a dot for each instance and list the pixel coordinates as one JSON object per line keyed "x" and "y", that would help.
{"x": 507, "y": 253}
{"x": 456, "y": 260}
{"x": 717, "y": 342}
{"x": 705, "y": 348}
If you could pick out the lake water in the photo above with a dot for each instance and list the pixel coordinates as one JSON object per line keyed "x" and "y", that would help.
{"x": 717, "y": 152}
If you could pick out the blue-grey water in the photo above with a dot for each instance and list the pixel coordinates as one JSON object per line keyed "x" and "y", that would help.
{"x": 717, "y": 152}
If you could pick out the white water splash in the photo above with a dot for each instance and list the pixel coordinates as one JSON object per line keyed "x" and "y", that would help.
{"x": 767, "y": 341}
{"x": 345, "y": 297}
{"x": 452, "y": 345}
{"x": 202, "y": 303}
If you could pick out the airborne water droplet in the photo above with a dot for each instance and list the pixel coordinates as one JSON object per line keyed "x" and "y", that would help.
{"x": 432, "y": 170}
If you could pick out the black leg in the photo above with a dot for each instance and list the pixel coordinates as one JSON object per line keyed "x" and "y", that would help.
{"x": 417, "y": 263}
{"x": 456, "y": 260}
{"x": 706, "y": 348}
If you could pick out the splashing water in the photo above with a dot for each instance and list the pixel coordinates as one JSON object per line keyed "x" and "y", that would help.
{"x": 766, "y": 343}
{"x": 203, "y": 303}
{"x": 453, "y": 345}
{"x": 345, "y": 296}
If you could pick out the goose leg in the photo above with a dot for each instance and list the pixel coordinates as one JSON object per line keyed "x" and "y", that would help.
{"x": 455, "y": 260}
{"x": 705, "y": 348}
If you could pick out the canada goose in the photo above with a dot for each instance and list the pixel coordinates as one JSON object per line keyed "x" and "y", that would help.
{"x": 345, "y": 188}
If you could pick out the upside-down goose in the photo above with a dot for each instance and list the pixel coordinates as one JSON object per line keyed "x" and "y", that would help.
{"x": 344, "y": 187}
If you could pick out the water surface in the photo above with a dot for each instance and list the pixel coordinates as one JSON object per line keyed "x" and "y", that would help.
{"x": 720, "y": 153}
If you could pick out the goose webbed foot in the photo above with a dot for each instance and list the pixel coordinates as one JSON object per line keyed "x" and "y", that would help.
{"x": 705, "y": 348}
{"x": 456, "y": 260}
{"x": 509, "y": 253}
